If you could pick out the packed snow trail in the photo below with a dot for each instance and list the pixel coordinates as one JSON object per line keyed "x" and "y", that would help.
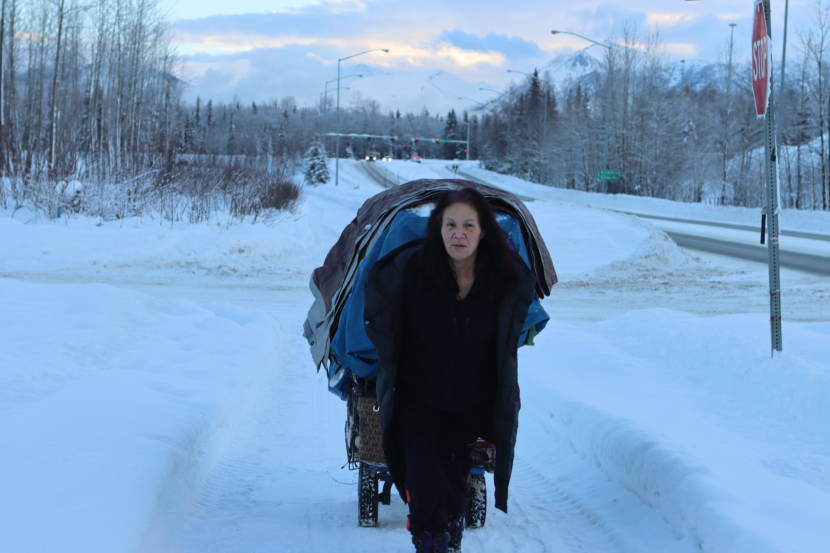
{"x": 276, "y": 483}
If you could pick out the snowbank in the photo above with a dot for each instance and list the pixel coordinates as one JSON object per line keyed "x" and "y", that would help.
{"x": 694, "y": 416}
{"x": 106, "y": 396}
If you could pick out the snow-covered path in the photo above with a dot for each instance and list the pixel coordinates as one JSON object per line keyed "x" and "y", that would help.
{"x": 277, "y": 484}
{"x": 157, "y": 395}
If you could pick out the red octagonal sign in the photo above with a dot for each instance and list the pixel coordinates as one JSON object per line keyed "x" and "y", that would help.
{"x": 761, "y": 60}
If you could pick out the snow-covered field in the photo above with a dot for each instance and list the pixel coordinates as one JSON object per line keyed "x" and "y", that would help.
{"x": 156, "y": 394}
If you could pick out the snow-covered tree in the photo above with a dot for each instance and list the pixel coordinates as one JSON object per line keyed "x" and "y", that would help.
{"x": 316, "y": 170}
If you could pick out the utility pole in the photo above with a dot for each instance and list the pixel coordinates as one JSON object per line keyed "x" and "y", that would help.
{"x": 728, "y": 99}
{"x": 784, "y": 46}
{"x": 339, "y": 130}
{"x": 467, "y": 146}
{"x": 728, "y": 117}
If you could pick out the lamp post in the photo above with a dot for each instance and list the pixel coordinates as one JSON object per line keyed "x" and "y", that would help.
{"x": 481, "y": 106}
{"x": 337, "y": 138}
{"x": 583, "y": 37}
{"x": 728, "y": 113}
{"x": 343, "y": 78}
{"x": 325, "y": 95}
{"x": 783, "y": 46}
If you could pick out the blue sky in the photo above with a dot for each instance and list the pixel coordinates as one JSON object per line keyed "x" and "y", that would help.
{"x": 439, "y": 50}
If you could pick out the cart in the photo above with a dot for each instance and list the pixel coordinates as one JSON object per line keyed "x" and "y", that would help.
{"x": 334, "y": 326}
{"x": 364, "y": 450}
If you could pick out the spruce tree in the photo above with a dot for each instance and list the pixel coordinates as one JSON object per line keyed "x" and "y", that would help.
{"x": 316, "y": 170}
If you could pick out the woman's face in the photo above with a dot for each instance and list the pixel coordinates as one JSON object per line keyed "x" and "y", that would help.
{"x": 461, "y": 231}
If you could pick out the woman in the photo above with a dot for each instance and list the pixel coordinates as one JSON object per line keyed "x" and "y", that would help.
{"x": 445, "y": 315}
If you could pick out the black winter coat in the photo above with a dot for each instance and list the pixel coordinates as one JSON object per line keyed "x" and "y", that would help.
{"x": 383, "y": 309}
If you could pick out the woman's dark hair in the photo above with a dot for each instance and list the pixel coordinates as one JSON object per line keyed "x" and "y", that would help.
{"x": 495, "y": 258}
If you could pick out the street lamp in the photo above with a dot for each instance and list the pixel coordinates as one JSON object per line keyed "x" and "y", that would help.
{"x": 486, "y": 90}
{"x": 344, "y": 88}
{"x": 583, "y": 37}
{"x": 522, "y": 72}
{"x": 343, "y": 78}
{"x": 783, "y": 46}
{"x": 337, "y": 139}
{"x": 481, "y": 106}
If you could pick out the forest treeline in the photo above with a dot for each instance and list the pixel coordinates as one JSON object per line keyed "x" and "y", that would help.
{"x": 92, "y": 119}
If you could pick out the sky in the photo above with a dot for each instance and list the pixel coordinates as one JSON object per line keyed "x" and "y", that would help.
{"x": 441, "y": 54}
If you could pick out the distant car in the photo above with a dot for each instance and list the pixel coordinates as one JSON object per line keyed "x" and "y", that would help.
{"x": 415, "y": 157}
{"x": 372, "y": 156}
{"x": 387, "y": 157}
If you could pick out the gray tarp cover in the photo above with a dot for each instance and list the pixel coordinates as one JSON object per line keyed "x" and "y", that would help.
{"x": 331, "y": 283}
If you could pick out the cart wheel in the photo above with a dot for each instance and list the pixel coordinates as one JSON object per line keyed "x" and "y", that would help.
{"x": 477, "y": 503}
{"x": 367, "y": 496}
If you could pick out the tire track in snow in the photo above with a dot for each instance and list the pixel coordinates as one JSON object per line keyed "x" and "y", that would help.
{"x": 570, "y": 522}
{"x": 588, "y": 510}
{"x": 275, "y": 483}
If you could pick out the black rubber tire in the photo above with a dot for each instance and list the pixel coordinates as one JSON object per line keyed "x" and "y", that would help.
{"x": 367, "y": 497}
{"x": 477, "y": 501}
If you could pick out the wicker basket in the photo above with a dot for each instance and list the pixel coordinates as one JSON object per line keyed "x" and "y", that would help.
{"x": 369, "y": 441}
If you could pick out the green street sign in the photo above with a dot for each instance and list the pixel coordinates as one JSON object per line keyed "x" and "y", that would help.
{"x": 607, "y": 174}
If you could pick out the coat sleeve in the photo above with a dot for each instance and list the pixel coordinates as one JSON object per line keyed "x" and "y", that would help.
{"x": 383, "y": 312}
{"x": 508, "y": 399}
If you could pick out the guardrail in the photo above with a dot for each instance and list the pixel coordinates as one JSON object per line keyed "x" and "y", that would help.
{"x": 382, "y": 175}
{"x": 480, "y": 181}
{"x": 809, "y": 263}
{"x": 735, "y": 226}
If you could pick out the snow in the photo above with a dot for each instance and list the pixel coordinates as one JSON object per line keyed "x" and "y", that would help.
{"x": 156, "y": 393}
{"x": 801, "y": 220}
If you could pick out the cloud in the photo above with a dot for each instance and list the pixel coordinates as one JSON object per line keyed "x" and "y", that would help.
{"x": 469, "y": 43}
{"x": 308, "y": 22}
{"x": 511, "y": 47}
{"x": 667, "y": 19}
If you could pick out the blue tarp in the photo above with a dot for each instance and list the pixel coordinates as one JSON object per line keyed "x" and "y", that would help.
{"x": 352, "y": 350}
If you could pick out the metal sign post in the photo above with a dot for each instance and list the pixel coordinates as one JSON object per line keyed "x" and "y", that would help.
{"x": 764, "y": 104}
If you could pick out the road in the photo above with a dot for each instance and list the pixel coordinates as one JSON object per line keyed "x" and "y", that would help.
{"x": 801, "y": 251}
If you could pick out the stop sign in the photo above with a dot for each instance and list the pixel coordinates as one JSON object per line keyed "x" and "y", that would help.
{"x": 761, "y": 60}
